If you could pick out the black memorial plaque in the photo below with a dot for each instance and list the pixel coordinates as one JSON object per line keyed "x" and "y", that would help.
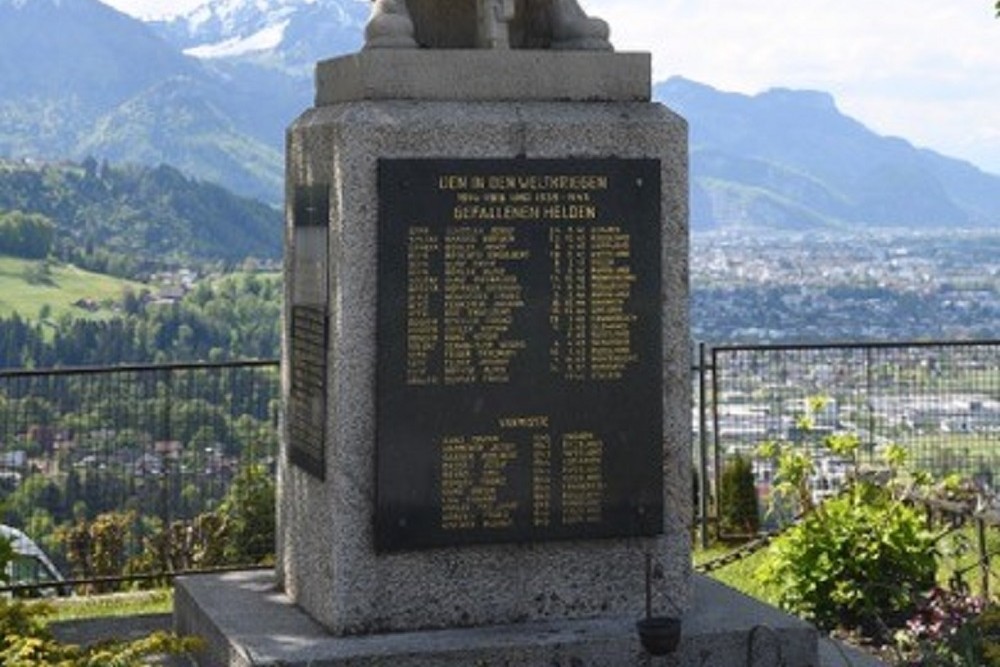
{"x": 519, "y": 374}
{"x": 308, "y": 330}
{"x": 307, "y": 405}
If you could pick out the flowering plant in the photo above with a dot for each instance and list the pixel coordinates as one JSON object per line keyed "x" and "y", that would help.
{"x": 943, "y": 631}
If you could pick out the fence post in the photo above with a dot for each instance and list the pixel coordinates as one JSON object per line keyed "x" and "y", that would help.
{"x": 984, "y": 557}
{"x": 703, "y": 442}
{"x": 165, "y": 467}
{"x": 715, "y": 439}
{"x": 870, "y": 402}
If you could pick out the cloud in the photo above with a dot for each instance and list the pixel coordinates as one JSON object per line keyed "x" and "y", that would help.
{"x": 923, "y": 69}
{"x": 927, "y": 70}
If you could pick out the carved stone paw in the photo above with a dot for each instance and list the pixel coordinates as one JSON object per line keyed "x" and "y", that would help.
{"x": 390, "y": 26}
{"x": 572, "y": 29}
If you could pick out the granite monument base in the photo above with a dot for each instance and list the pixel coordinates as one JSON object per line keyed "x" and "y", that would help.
{"x": 329, "y": 562}
{"x": 246, "y": 622}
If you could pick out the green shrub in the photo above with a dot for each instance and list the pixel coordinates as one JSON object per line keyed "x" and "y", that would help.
{"x": 98, "y": 548}
{"x": 248, "y": 511}
{"x": 950, "y": 629}
{"x": 183, "y": 545}
{"x": 240, "y": 532}
{"x": 987, "y": 628}
{"x": 860, "y": 557}
{"x": 25, "y": 641}
{"x": 739, "y": 512}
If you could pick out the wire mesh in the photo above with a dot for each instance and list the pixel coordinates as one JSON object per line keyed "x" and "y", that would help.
{"x": 163, "y": 442}
{"x": 941, "y": 401}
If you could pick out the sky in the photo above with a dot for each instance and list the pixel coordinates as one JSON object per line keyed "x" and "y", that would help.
{"x": 924, "y": 70}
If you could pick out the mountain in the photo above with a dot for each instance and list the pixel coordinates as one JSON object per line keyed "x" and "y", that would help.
{"x": 82, "y": 49}
{"x": 81, "y": 79}
{"x": 212, "y": 90}
{"x": 288, "y": 35}
{"x": 189, "y": 123}
{"x": 64, "y": 61}
{"x": 790, "y": 159}
{"x": 119, "y": 219}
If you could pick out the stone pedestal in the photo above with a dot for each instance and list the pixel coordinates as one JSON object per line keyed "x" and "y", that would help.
{"x": 246, "y": 623}
{"x": 496, "y": 105}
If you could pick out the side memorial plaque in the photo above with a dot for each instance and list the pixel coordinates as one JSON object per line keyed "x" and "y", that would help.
{"x": 307, "y": 407}
{"x": 308, "y": 330}
{"x": 519, "y": 375}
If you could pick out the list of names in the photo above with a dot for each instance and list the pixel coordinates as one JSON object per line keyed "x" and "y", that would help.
{"x": 519, "y": 378}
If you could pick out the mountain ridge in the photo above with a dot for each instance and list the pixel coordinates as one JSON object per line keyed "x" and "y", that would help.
{"x": 297, "y": 31}
{"x": 125, "y": 90}
{"x": 135, "y": 216}
{"x": 814, "y": 162}
{"x": 107, "y": 85}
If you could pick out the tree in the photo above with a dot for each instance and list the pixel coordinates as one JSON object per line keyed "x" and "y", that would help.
{"x": 248, "y": 509}
{"x": 738, "y": 509}
{"x": 28, "y": 235}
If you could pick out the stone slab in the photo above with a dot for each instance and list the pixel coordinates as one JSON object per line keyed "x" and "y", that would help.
{"x": 247, "y": 622}
{"x": 327, "y": 559}
{"x": 484, "y": 75}
{"x": 833, "y": 653}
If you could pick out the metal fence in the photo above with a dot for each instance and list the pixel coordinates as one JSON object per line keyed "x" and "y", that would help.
{"x": 941, "y": 401}
{"x": 163, "y": 441}
{"x": 167, "y": 440}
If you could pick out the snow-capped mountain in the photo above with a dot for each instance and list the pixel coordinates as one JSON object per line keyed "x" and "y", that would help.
{"x": 80, "y": 79}
{"x": 290, "y": 35}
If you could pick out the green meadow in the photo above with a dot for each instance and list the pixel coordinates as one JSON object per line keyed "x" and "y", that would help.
{"x": 26, "y": 286}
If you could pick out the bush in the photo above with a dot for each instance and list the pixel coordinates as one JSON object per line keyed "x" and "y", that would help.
{"x": 99, "y": 548}
{"x": 25, "y": 641}
{"x": 862, "y": 558}
{"x": 858, "y": 559}
{"x": 987, "y": 632}
{"x": 240, "y": 532}
{"x": 739, "y": 512}
{"x": 949, "y": 630}
{"x": 249, "y": 514}
{"x": 183, "y": 545}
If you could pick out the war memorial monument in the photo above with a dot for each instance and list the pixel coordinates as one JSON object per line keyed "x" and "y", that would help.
{"x": 486, "y": 433}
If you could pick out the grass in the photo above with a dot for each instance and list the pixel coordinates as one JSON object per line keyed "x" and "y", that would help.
{"x": 957, "y": 553}
{"x": 27, "y": 285}
{"x": 159, "y": 601}
{"x": 741, "y": 574}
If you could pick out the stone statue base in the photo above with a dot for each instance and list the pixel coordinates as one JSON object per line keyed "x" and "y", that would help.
{"x": 484, "y": 75}
{"x": 249, "y": 624}
{"x": 466, "y": 105}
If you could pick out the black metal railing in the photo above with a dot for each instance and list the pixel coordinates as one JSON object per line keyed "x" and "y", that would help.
{"x": 159, "y": 443}
{"x": 938, "y": 400}
{"x": 167, "y": 440}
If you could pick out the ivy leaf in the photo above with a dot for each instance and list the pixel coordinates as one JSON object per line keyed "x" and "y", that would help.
{"x": 843, "y": 444}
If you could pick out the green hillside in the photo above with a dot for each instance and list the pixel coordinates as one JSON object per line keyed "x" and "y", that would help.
{"x": 28, "y": 285}
{"x": 131, "y": 220}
